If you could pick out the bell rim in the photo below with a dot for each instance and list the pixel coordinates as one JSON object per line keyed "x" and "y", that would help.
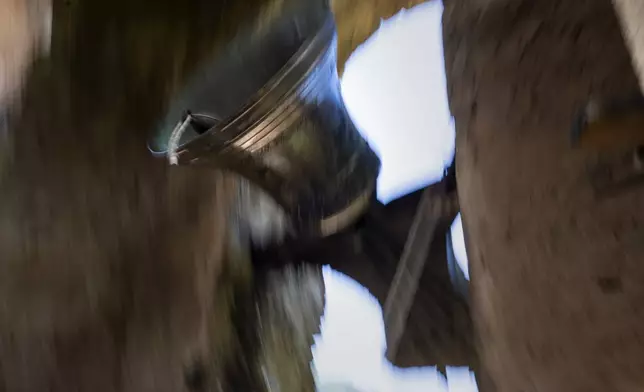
{"x": 284, "y": 84}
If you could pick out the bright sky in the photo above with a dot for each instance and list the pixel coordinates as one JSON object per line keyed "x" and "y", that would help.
{"x": 395, "y": 90}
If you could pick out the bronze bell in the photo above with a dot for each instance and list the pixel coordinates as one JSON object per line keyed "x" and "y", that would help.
{"x": 270, "y": 109}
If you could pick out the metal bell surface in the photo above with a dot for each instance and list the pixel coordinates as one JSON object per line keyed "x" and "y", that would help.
{"x": 270, "y": 109}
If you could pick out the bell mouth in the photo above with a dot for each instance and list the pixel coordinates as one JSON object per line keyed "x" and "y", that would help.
{"x": 247, "y": 81}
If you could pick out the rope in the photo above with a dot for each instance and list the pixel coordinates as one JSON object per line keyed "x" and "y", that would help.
{"x": 175, "y": 136}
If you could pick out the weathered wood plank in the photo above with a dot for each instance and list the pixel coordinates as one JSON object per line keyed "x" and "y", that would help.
{"x": 432, "y": 210}
{"x": 541, "y": 247}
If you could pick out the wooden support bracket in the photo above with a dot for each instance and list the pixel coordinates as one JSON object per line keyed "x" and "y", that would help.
{"x": 434, "y": 206}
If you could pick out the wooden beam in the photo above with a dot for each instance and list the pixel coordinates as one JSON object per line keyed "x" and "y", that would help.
{"x": 555, "y": 273}
{"x": 433, "y": 208}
